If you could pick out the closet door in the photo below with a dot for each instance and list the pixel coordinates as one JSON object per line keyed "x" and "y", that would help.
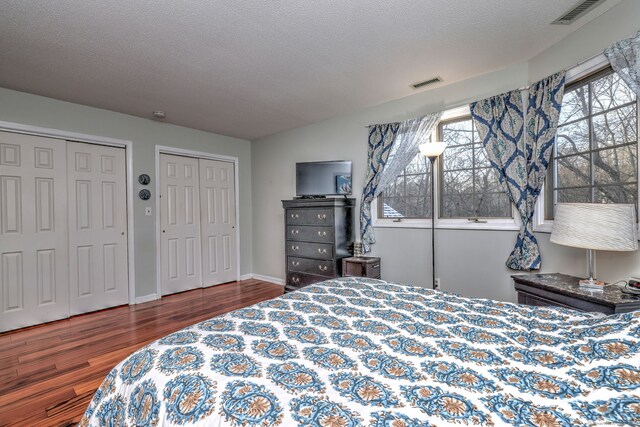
{"x": 97, "y": 227}
{"x": 33, "y": 231}
{"x": 180, "y": 224}
{"x": 218, "y": 213}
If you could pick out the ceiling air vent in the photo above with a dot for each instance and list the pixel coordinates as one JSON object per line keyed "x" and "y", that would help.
{"x": 577, "y": 11}
{"x": 426, "y": 83}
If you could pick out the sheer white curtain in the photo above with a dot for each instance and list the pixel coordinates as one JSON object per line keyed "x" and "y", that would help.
{"x": 411, "y": 134}
{"x": 391, "y": 148}
{"x": 624, "y": 57}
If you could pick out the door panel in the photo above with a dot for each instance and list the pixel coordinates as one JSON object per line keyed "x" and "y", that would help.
{"x": 217, "y": 192}
{"x": 97, "y": 227}
{"x": 34, "y": 273}
{"x": 180, "y": 251}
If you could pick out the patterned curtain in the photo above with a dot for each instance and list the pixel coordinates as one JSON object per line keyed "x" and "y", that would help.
{"x": 392, "y": 146}
{"x": 624, "y": 57}
{"x": 520, "y": 152}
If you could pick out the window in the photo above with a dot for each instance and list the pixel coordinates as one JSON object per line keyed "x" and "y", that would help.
{"x": 409, "y": 196}
{"x": 470, "y": 186}
{"x": 595, "y": 157}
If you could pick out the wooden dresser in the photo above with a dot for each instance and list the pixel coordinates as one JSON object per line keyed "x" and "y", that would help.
{"x": 318, "y": 234}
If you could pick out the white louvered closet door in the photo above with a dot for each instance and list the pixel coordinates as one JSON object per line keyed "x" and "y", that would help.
{"x": 218, "y": 219}
{"x": 33, "y": 231}
{"x": 97, "y": 227}
{"x": 180, "y": 224}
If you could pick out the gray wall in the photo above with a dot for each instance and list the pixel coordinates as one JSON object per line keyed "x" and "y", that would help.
{"x": 468, "y": 262}
{"x": 34, "y": 110}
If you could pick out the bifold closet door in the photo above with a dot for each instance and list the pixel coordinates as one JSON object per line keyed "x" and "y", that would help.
{"x": 97, "y": 227}
{"x": 180, "y": 224}
{"x": 34, "y": 286}
{"x": 218, "y": 213}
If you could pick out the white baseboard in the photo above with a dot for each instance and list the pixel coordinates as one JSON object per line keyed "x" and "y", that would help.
{"x": 146, "y": 298}
{"x": 269, "y": 279}
{"x": 246, "y": 277}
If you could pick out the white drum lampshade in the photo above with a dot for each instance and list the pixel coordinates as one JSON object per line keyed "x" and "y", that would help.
{"x": 432, "y": 149}
{"x": 595, "y": 226}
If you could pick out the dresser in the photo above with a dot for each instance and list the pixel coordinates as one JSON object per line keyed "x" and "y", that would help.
{"x": 562, "y": 290}
{"x": 318, "y": 235}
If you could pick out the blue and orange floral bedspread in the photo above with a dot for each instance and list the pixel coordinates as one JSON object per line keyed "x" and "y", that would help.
{"x": 363, "y": 352}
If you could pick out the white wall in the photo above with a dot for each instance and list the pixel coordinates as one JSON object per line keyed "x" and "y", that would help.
{"x": 468, "y": 262}
{"x": 39, "y": 111}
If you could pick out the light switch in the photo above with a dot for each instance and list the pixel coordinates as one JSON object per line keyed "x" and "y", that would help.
{"x": 147, "y": 210}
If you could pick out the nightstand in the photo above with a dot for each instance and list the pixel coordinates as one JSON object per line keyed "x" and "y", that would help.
{"x": 362, "y": 266}
{"x": 562, "y": 290}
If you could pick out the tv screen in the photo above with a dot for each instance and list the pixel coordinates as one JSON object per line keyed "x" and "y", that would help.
{"x": 331, "y": 178}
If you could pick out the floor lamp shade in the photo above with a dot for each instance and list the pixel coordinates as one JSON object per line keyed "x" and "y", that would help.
{"x": 605, "y": 227}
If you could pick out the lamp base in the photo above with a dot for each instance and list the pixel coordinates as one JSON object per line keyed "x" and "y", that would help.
{"x": 591, "y": 285}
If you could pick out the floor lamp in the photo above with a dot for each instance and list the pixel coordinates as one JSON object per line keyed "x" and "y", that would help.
{"x": 432, "y": 150}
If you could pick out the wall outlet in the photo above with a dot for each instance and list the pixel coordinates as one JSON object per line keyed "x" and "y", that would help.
{"x": 147, "y": 211}
{"x": 436, "y": 284}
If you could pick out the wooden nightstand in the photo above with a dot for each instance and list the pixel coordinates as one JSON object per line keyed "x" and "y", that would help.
{"x": 562, "y": 290}
{"x": 363, "y": 266}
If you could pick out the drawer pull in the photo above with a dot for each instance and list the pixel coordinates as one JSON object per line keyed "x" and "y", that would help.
{"x": 295, "y": 280}
{"x": 322, "y": 216}
{"x": 376, "y": 266}
{"x": 322, "y": 233}
{"x": 323, "y": 267}
{"x": 295, "y": 247}
{"x": 294, "y": 232}
{"x": 295, "y": 263}
{"x": 294, "y": 216}
{"x": 322, "y": 251}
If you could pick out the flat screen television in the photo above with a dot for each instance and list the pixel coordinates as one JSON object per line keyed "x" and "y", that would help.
{"x": 329, "y": 178}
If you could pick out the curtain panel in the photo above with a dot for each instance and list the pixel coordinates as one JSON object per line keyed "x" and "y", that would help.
{"x": 391, "y": 147}
{"x": 519, "y": 146}
{"x": 624, "y": 57}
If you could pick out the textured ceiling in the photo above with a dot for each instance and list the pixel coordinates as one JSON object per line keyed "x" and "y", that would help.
{"x": 253, "y": 68}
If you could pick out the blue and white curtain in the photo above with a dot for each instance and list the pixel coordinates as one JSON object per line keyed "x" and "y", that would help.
{"x": 391, "y": 148}
{"x": 520, "y": 151}
{"x": 624, "y": 57}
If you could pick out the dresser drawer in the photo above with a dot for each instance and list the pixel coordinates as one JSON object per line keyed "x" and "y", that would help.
{"x": 319, "y": 216}
{"x": 313, "y": 266}
{"x": 310, "y": 233}
{"x": 310, "y": 250}
{"x": 298, "y": 280}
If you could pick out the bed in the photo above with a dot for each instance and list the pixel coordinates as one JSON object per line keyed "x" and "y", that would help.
{"x": 365, "y": 352}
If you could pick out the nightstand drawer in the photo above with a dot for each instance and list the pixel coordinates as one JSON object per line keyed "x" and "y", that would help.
{"x": 320, "y": 216}
{"x": 313, "y": 266}
{"x": 361, "y": 267}
{"x": 310, "y": 233}
{"x": 310, "y": 250}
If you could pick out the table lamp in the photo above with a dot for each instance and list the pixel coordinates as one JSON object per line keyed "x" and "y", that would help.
{"x": 594, "y": 226}
{"x": 432, "y": 150}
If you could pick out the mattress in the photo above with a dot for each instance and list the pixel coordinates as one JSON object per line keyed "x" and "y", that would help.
{"x": 364, "y": 352}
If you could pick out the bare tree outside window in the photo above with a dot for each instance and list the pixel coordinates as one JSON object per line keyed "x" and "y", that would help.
{"x": 408, "y": 196}
{"x": 470, "y": 187}
{"x": 596, "y": 152}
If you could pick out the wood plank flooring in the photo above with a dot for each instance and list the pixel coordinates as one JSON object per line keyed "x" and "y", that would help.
{"x": 48, "y": 373}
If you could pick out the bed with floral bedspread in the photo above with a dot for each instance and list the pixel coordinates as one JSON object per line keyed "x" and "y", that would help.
{"x": 364, "y": 352}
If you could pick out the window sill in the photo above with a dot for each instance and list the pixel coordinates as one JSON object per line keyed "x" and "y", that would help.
{"x": 448, "y": 224}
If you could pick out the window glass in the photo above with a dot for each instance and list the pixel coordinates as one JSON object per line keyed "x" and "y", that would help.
{"x": 596, "y": 153}
{"x": 408, "y": 196}
{"x": 470, "y": 186}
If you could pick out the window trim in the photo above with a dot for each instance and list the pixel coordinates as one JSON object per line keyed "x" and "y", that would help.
{"x": 589, "y": 68}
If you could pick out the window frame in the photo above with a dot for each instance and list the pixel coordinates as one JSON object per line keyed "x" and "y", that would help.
{"x": 586, "y": 71}
{"x": 509, "y": 224}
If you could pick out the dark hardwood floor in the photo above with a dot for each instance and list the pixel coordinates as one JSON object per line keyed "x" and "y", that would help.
{"x": 48, "y": 373}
